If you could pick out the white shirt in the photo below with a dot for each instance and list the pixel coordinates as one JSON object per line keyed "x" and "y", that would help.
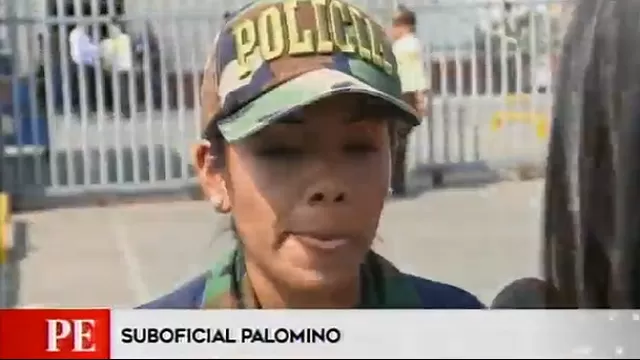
{"x": 408, "y": 53}
{"x": 117, "y": 51}
{"x": 83, "y": 50}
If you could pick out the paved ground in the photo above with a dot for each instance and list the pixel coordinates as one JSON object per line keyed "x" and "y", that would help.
{"x": 476, "y": 236}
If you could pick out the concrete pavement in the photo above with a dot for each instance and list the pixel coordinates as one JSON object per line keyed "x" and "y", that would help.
{"x": 475, "y": 236}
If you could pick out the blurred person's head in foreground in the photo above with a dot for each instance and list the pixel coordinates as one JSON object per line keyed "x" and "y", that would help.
{"x": 403, "y": 23}
{"x": 298, "y": 130}
{"x": 592, "y": 215}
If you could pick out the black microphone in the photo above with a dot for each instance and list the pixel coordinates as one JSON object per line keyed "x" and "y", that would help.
{"x": 525, "y": 293}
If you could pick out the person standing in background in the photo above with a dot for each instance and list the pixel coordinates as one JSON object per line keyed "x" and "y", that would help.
{"x": 415, "y": 84}
{"x": 117, "y": 51}
{"x": 85, "y": 54}
{"x": 147, "y": 55}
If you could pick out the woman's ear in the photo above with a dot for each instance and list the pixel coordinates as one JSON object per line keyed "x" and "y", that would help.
{"x": 209, "y": 171}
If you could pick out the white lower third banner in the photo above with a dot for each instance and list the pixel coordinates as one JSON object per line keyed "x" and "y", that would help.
{"x": 371, "y": 334}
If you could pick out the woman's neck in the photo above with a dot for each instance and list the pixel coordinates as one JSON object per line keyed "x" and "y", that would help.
{"x": 276, "y": 295}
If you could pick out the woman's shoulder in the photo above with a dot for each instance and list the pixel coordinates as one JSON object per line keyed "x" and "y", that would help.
{"x": 433, "y": 295}
{"x": 438, "y": 295}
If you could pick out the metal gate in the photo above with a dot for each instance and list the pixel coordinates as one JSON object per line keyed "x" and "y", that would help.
{"x": 69, "y": 131}
{"x": 491, "y": 66}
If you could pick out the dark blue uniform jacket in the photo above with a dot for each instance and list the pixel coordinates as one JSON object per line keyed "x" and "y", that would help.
{"x": 434, "y": 295}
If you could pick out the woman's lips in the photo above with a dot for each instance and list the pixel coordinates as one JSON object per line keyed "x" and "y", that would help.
{"x": 321, "y": 242}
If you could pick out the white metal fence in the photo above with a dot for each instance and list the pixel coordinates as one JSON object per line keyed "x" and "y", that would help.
{"x": 490, "y": 69}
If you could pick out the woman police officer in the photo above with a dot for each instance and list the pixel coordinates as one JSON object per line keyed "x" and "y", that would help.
{"x": 301, "y": 100}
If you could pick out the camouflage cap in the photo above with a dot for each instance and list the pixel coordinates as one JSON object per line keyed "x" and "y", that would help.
{"x": 274, "y": 56}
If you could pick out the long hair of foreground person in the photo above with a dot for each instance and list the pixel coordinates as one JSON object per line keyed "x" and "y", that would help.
{"x": 592, "y": 196}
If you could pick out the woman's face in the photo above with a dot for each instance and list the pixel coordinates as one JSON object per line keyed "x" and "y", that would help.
{"x": 306, "y": 193}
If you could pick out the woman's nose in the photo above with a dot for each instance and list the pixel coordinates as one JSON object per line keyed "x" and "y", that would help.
{"x": 326, "y": 193}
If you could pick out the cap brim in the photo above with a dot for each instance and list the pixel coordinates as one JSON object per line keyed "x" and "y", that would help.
{"x": 301, "y": 91}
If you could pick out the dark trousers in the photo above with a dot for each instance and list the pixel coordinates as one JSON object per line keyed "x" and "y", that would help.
{"x": 83, "y": 79}
{"x": 399, "y": 168}
{"x": 117, "y": 92}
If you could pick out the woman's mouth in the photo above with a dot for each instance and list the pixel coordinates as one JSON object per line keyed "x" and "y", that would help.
{"x": 327, "y": 243}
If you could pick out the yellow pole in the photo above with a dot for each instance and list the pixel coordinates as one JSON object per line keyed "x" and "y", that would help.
{"x": 5, "y": 227}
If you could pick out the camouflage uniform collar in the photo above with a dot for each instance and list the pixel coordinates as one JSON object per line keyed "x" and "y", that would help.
{"x": 383, "y": 285}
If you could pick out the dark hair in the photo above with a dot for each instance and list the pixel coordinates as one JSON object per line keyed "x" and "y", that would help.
{"x": 508, "y": 5}
{"x": 118, "y": 22}
{"x": 592, "y": 195}
{"x": 218, "y": 142}
{"x": 404, "y": 17}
